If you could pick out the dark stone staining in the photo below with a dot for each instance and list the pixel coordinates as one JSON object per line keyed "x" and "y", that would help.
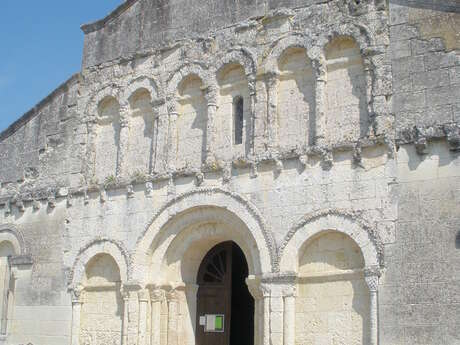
{"x": 457, "y": 240}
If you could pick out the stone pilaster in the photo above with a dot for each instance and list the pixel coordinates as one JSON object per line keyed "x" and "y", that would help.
{"x": 173, "y": 133}
{"x": 173, "y": 297}
{"x": 77, "y": 301}
{"x": 290, "y": 294}
{"x": 272, "y": 81}
{"x": 371, "y": 276}
{"x": 320, "y": 100}
{"x": 144, "y": 299}
{"x": 211, "y": 98}
{"x": 156, "y": 297}
{"x": 123, "y": 145}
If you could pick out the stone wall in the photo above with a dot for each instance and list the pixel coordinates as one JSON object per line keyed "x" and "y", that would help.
{"x": 349, "y": 125}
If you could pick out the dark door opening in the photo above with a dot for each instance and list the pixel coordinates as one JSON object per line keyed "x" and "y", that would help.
{"x": 225, "y": 307}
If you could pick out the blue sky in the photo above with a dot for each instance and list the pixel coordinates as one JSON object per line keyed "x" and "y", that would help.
{"x": 40, "y": 47}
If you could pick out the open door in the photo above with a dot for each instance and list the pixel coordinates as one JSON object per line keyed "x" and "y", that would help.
{"x": 225, "y": 308}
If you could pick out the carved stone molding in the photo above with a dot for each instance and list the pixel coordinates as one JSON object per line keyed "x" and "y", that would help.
{"x": 235, "y": 197}
{"x": 353, "y": 216}
{"x": 99, "y": 246}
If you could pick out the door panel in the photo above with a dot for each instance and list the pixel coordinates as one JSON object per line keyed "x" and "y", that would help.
{"x": 214, "y": 293}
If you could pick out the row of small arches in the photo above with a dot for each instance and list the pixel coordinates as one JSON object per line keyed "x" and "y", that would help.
{"x": 296, "y": 96}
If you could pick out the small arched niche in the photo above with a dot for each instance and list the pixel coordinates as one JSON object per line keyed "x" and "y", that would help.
{"x": 296, "y": 98}
{"x": 102, "y": 307}
{"x": 233, "y": 113}
{"x": 141, "y": 126}
{"x": 107, "y": 138}
{"x": 333, "y": 297}
{"x": 6, "y": 285}
{"x": 346, "y": 92}
{"x": 192, "y": 123}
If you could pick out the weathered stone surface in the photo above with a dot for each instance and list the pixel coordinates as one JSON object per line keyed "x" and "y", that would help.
{"x": 342, "y": 191}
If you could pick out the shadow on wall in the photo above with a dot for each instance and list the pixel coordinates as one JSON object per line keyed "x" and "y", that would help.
{"x": 296, "y": 98}
{"x": 192, "y": 123}
{"x": 346, "y": 95}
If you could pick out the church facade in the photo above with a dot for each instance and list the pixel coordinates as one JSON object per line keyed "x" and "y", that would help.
{"x": 241, "y": 173}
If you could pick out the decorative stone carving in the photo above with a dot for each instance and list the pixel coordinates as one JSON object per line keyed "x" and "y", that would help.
{"x": 421, "y": 142}
{"x": 352, "y": 216}
{"x": 453, "y": 137}
{"x": 103, "y": 195}
{"x": 20, "y": 205}
{"x": 51, "y": 201}
{"x": 149, "y": 189}
{"x": 130, "y": 190}
{"x": 199, "y": 177}
{"x": 36, "y": 205}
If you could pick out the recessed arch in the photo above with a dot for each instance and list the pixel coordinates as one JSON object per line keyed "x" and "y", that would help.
{"x": 279, "y": 47}
{"x": 109, "y": 90}
{"x": 233, "y": 205}
{"x": 243, "y": 57}
{"x": 91, "y": 250}
{"x": 331, "y": 220}
{"x": 11, "y": 234}
{"x": 140, "y": 83}
{"x": 176, "y": 77}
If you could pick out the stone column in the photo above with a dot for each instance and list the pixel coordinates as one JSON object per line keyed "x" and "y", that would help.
{"x": 90, "y": 156}
{"x": 173, "y": 298}
{"x": 161, "y": 148}
{"x": 371, "y": 276}
{"x": 265, "y": 290}
{"x": 261, "y": 294}
{"x": 289, "y": 293}
{"x": 124, "y": 336}
{"x": 173, "y": 135}
{"x": 320, "y": 100}
{"x": 77, "y": 302}
{"x": 252, "y": 115}
{"x": 155, "y": 148}
{"x": 156, "y": 297}
{"x": 123, "y": 145}
{"x": 144, "y": 298}
{"x": 272, "y": 80}
{"x": 211, "y": 98}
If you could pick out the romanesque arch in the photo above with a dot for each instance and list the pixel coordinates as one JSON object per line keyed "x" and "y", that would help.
{"x": 97, "y": 279}
{"x": 11, "y": 244}
{"x": 141, "y": 96}
{"x": 196, "y": 204}
{"x": 336, "y": 255}
{"x": 169, "y": 253}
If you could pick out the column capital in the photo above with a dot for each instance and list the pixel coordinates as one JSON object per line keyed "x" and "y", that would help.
{"x": 144, "y": 295}
{"x": 77, "y": 295}
{"x": 157, "y": 295}
{"x": 172, "y": 107}
{"x": 372, "y": 275}
{"x": 211, "y": 94}
{"x": 272, "y": 78}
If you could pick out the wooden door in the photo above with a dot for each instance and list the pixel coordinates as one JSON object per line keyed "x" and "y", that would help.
{"x": 215, "y": 293}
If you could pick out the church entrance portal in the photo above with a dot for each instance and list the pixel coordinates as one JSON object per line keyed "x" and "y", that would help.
{"x": 225, "y": 308}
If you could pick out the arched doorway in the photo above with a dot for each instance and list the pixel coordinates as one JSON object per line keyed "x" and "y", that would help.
{"x": 225, "y": 308}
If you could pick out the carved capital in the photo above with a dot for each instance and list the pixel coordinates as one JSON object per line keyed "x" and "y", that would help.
{"x": 290, "y": 291}
{"x": 211, "y": 95}
{"x": 144, "y": 295}
{"x": 272, "y": 79}
{"x": 77, "y": 295}
{"x": 172, "y": 107}
{"x": 372, "y": 275}
{"x": 157, "y": 295}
